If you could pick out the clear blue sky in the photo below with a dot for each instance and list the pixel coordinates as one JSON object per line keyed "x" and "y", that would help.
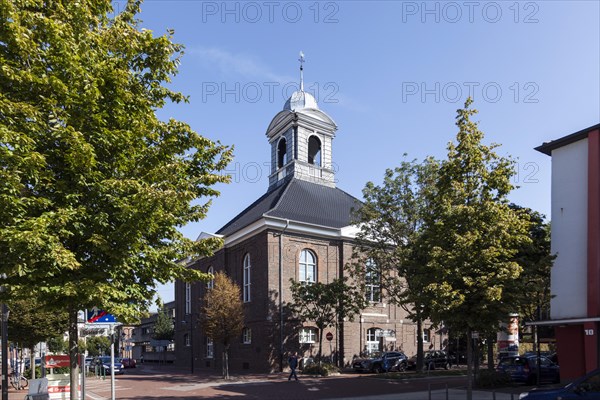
{"x": 390, "y": 73}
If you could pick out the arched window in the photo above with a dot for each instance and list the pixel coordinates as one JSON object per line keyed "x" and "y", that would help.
{"x": 373, "y": 339}
{"x": 372, "y": 282}
{"x": 210, "y": 284}
{"x": 307, "y": 335}
{"x": 314, "y": 151}
{"x": 247, "y": 267}
{"x": 281, "y": 153}
{"x": 308, "y": 266}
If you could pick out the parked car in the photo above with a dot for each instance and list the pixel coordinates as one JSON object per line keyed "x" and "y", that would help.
{"x": 128, "y": 362}
{"x": 432, "y": 359}
{"x": 38, "y": 362}
{"x": 586, "y": 387}
{"x": 381, "y": 362}
{"x": 104, "y": 363}
{"x": 524, "y": 369}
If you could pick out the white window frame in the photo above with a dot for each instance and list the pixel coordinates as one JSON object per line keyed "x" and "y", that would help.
{"x": 307, "y": 268}
{"x": 426, "y": 335}
{"x": 373, "y": 338}
{"x": 246, "y": 277}
{"x": 246, "y": 335}
{"x": 188, "y": 298}
{"x": 211, "y": 283}
{"x": 210, "y": 348}
{"x": 372, "y": 282}
{"x": 307, "y": 335}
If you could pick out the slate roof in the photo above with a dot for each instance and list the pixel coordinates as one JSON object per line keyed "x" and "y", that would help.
{"x": 300, "y": 201}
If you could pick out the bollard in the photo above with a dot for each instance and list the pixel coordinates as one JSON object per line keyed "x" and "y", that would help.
{"x": 493, "y": 394}
{"x": 446, "y": 391}
{"x": 429, "y": 390}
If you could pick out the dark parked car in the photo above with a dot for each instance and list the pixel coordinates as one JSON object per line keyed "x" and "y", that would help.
{"x": 381, "y": 362}
{"x": 104, "y": 363}
{"x": 586, "y": 387}
{"x": 524, "y": 369}
{"x": 432, "y": 359}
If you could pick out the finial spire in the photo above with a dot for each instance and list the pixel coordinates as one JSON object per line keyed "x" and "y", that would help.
{"x": 301, "y": 59}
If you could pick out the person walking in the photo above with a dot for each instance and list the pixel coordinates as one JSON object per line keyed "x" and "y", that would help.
{"x": 293, "y": 362}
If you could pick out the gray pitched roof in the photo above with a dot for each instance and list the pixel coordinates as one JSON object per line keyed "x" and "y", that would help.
{"x": 300, "y": 201}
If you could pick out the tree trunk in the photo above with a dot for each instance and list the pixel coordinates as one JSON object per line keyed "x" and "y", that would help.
{"x": 469, "y": 365}
{"x": 490, "y": 352}
{"x": 74, "y": 355}
{"x": 32, "y": 361}
{"x": 321, "y": 330}
{"x": 419, "y": 366}
{"x": 226, "y": 361}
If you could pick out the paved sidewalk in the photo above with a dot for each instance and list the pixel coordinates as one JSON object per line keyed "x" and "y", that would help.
{"x": 149, "y": 382}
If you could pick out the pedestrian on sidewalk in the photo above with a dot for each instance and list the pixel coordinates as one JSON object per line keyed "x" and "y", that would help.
{"x": 293, "y": 362}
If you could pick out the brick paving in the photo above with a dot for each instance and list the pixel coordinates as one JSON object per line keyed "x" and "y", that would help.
{"x": 167, "y": 382}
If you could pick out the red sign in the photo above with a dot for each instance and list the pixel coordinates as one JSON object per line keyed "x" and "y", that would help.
{"x": 329, "y": 336}
{"x": 57, "y": 361}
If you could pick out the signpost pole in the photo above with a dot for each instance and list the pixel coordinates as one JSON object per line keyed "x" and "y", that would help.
{"x": 112, "y": 363}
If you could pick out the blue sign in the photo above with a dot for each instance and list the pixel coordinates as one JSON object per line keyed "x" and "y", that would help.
{"x": 97, "y": 316}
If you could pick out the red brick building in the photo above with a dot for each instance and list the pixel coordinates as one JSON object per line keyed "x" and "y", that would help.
{"x": 575, "y": 279}
{"x": 299, "y": 229}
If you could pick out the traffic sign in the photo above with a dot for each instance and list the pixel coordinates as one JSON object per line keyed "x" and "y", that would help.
{"x": 95, "y": 315}
{"x": 329, "y": 336}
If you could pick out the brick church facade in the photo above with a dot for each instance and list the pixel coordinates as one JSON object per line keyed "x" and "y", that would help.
{"x": 299, "y": 229}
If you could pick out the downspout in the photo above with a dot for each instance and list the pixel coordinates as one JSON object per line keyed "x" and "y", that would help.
{"x": 280, "y": 235}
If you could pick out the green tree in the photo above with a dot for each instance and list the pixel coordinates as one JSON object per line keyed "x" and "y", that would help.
{"x": 391, "y": 224}
{"x": 57, "y": 345}
{"x": 472, "y": 235}
{"x": 325, "y": 304}
{"x": 30, "y": 323}
{"x": 223, "y": 314}
{"x": 98, "y": 345}
{"x": 94, "y": 184}
{"x": 535, "y": 257}
{"x": 163, "y": 326}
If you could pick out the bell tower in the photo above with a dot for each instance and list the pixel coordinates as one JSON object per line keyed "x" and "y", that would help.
{"x": 301, "y": 137}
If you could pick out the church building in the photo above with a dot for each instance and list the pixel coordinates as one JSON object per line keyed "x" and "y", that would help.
{"x": 299, "y": 229}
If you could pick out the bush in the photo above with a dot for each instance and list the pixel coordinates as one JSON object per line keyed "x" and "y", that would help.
{"x": 491, "y": 378}
{"x": 324, "y": 369}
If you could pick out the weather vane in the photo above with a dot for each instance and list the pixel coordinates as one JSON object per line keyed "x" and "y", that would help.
{"x": 302, "y": 61}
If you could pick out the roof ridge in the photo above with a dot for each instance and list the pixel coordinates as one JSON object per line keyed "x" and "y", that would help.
{"x": 281, "y": 196}
{"x": 252, "y": 205}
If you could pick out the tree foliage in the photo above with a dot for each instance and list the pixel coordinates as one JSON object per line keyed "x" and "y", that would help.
{"x": 163, "y": 326}
{"x": 391, "y": 224}
{"x": 94, "y": 184}
{"x": 31, "y": 322}
{"x": 98, "y": 345}
{"x": 532, "y": 297}
{"x": 57, "y": 345}
{"x": 472, "y": 234}
{"x": 325, "y": 304}
{"x": 223, "y": 314}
